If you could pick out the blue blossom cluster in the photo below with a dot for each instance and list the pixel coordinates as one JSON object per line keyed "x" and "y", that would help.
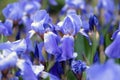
{"x": 83, "y": 42}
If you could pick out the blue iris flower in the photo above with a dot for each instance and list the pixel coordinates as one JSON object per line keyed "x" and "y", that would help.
{"x": 78, "y": 66}
{"x": 13, "y": 11}
{"x": 75, "y": 4}
{"x": 19, "y": 46}
{"x": 51, "y": 42}
{"x": 71, "y": 24}
{"x": 31, "y": 72}
{"x": 26, "y": 70}
{"x": 67, "y": 48}
{"x": 8, "y": 61}
{"x": 108, "y": 8}
{"x": 108, "y": 17}
{"x": 6, "y": 27}
{"x": 107, "y": 71}
{"x": 107, "y": 5}
{"x": 93, "y": 22}
{"x": 80, "y": 4}
{"x": 27, "y": 23}
{"x": 40, "y": 19}
{"x": 29, "y": 7}
{"x": 112, "y": 51}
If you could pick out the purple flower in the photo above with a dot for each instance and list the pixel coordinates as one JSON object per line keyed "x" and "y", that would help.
{"x": 29, "y": 7}
{"x": 107, "y": 5}
{"x": 38, "y": 51}
{"x": 93, "y": 22}
{"x": 19, "y": 46}
{"x": 108, "y": 8}
{"x": 67, "y": 48}
{"x": 71, "y": 24}
{"x": 51, "y": 42}
{"x": 115, "y": 34}
{"x": 27, "y": 23}
{"x": 8, "y": 61}
{"x": 6, "y": 27}
{"x": 26, "y": 70}
{"x": 106, "y": 71}
{"x": 108, "y": 16}
{"x": 75, "y": 4}
{"x": 40, "y": 20}
{"x": 78, "y": 66}
{"x": 13, "y": 11}
{"x": 113, "y": 50}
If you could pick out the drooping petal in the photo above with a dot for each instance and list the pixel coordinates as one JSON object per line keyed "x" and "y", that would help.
{"x": 107, "y": 71}
{"x": 67, "y": 48}
{"x": 2, "y": 28}
{"x": 113, "y": 50}
{"x": 51, "y": 41}
{"x": 8, "y": 25}
{"x": 39, "y": 19}
{"x": 19, "y": 46}
{"x": 13, "y": 11}
{"x": 8, "y": 61}
{"x": 26, "y": 70}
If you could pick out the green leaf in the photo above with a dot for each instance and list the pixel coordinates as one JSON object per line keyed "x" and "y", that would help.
{"x": 81, "y": 46}
{"x": 70, "y": 75}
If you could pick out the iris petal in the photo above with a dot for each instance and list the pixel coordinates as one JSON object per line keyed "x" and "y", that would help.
{"x": 8, "y": 61}
{"x": 67, "y": 48}
{"x": 112, "y": 51}
{"x": 51, "y": 41}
